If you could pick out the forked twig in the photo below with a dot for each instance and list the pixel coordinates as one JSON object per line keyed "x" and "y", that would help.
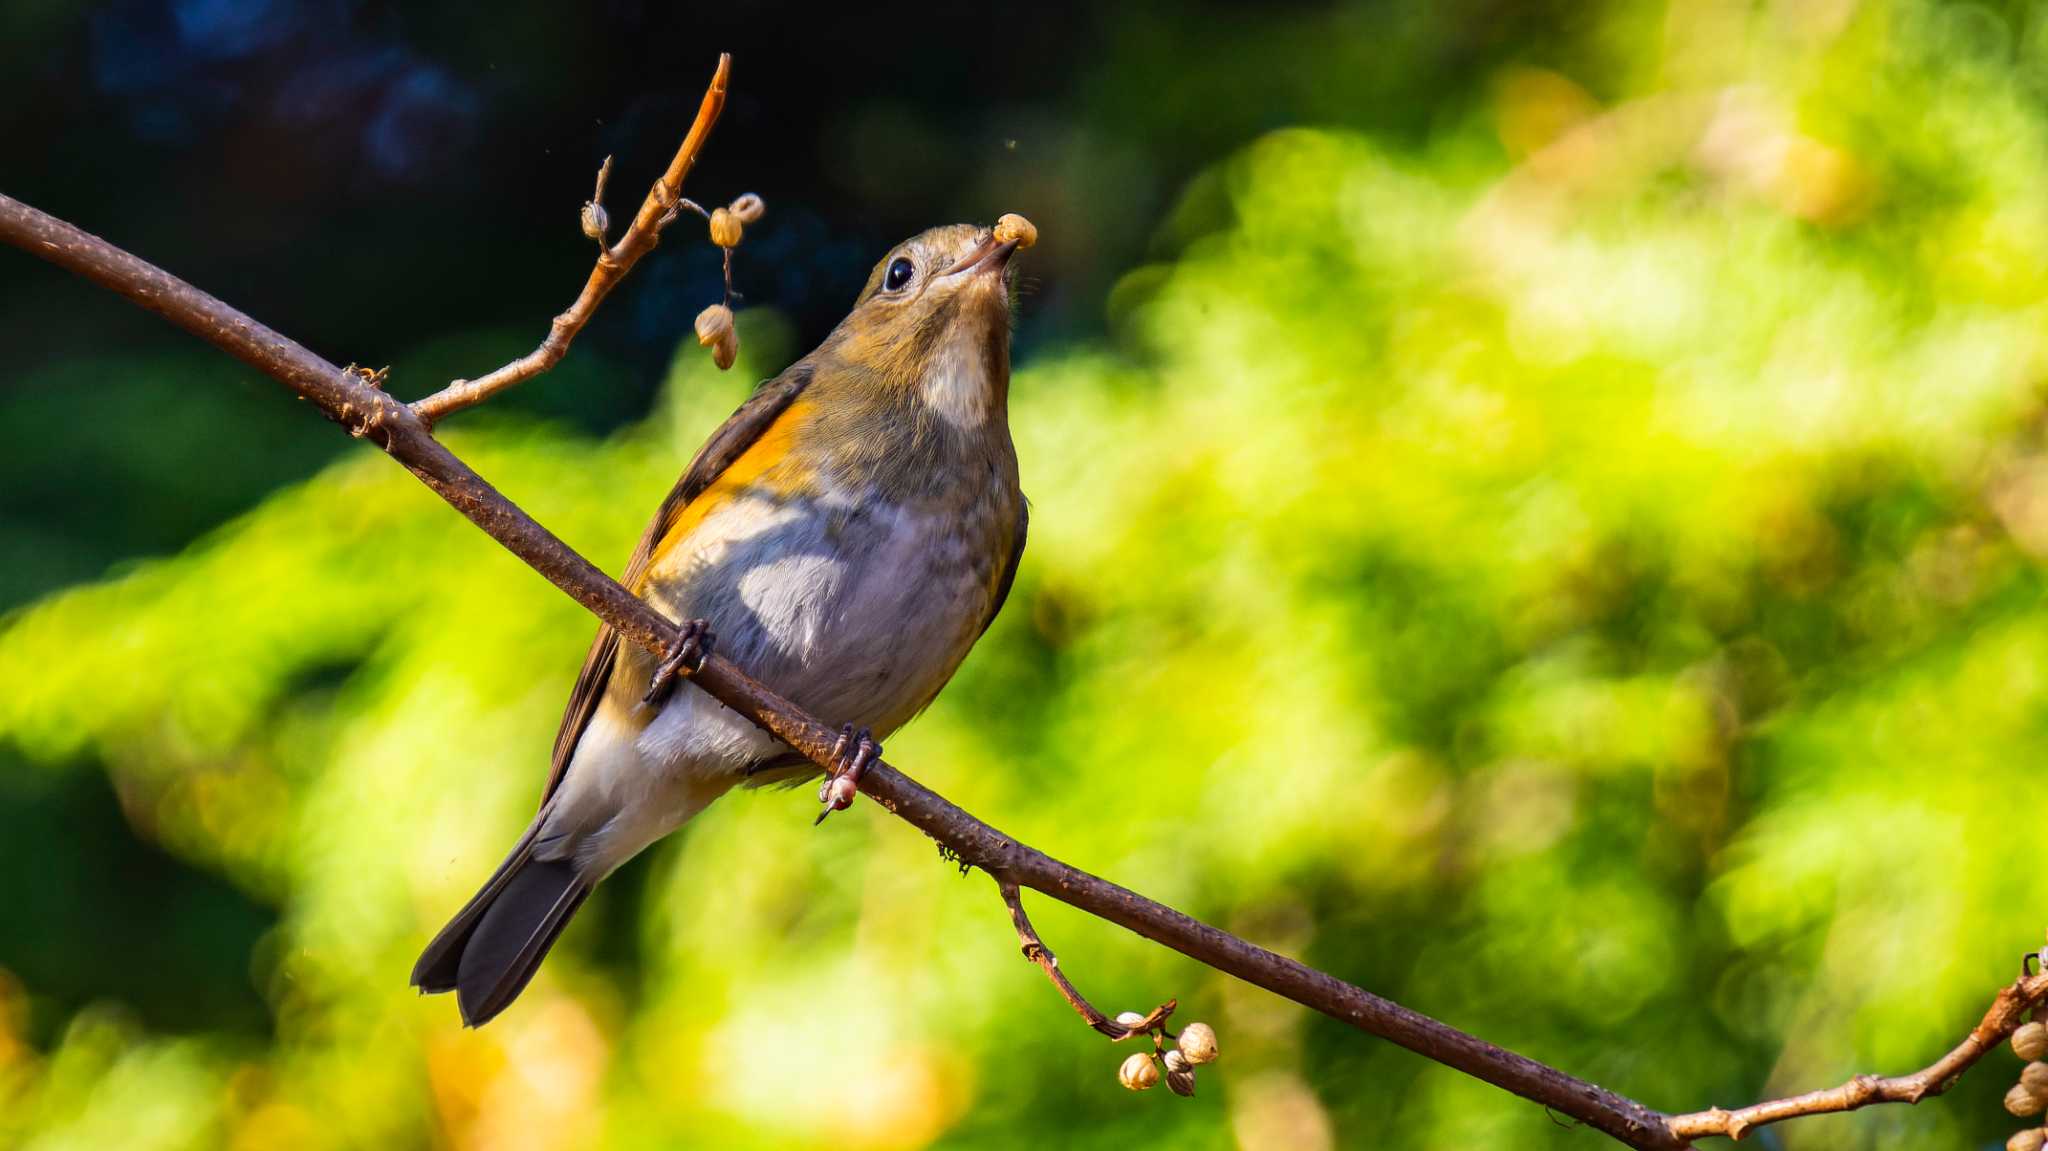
{"x": 1037, "y": 952}
{"x": 656, "y": 212}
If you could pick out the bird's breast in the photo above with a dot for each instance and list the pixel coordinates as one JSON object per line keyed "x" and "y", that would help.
{"x": 855, "y": 606}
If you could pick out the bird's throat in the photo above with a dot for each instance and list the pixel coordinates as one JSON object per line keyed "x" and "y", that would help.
{"x": 964, "y": 386}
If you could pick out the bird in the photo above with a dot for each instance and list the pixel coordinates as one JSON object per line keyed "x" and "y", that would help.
{"x": 845, "y": 537}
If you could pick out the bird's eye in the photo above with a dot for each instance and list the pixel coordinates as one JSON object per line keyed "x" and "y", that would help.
{"x": 899, "y": 273}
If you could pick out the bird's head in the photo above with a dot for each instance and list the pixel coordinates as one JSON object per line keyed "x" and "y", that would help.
{"x": 934, "y": 321}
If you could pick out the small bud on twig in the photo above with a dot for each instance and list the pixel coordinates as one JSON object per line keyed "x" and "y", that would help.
{"x": 747, "y": 208}
{"x": 2035, "y": 1078}
{"x": 1138, "y": 1073}
{"x": 1130, "y": 1020}
{"x": 1181, "y": 1082}
{"x": 596, "y": 224}
{"x": 725, "y": 228}
{"x": 2031, "y": 1040}
{"x": 2028, "y": 1140}
{"x": 2022, "y": 1102}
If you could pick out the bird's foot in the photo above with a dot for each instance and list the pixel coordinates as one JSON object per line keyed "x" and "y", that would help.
{"x": 851, "y": 755}
{"x": 692, "y": 648}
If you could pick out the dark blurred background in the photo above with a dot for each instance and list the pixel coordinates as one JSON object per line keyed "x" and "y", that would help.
{"x": 398, "y": 184}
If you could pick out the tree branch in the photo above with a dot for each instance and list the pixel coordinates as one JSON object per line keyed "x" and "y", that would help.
{"x": 404, "y": 432}
{"x": 2008, "y": 1010}
{"x": 656, "y": 212}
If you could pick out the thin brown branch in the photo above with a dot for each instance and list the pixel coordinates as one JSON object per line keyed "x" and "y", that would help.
{"x": 371, "y": 414}
{"x": 2007, "y": 1012}
{"x": 367, "y": 412}
{"x": 1037, "y": 952}
{"x": 656, "y": 212}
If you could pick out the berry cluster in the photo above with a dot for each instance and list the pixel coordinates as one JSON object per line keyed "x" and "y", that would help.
{"x": 2029, "y": 1097}
{"x": 1194, "y": 1046}
{"x": 714, "y": 324}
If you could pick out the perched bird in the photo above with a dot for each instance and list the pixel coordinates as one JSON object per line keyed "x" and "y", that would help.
{"x": 847, "y": 535}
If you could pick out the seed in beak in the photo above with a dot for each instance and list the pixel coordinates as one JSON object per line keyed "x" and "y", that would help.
{"x": 1012, "y": 228}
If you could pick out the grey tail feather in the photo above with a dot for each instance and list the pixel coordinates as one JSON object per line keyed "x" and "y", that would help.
{"x": 492, "y": 947}
{"x": 439, "y": 964}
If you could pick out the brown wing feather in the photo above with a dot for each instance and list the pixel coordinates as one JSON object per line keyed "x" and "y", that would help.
{"x": 1010, "y": 572}
{"x": 732, "y": 438}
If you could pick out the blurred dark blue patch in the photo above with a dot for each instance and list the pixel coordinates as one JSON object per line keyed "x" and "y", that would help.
{"x": 230, "y": 29}
{"x": 180, "y": 67}
{"x": 162, "y": 123}
{"x": 336, "y": 86}
{"x": 134, "y": 49}
{"x": 685, "y": 275}
{"x": 425, "y": 116}
{"x": 810, "y": 266}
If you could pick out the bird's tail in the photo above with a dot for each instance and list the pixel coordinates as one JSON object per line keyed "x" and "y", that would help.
{"x": 492, "y": 947}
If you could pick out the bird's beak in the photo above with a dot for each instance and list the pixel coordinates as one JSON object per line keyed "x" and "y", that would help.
{"x": 987, "y": 256}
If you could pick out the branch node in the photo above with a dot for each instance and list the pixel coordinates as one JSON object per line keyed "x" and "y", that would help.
{"x": 670, "y": 203}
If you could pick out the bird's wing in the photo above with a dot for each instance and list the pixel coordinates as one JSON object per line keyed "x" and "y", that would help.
{"x": 1010, "y": 572}
{"x": 734, "y": 437}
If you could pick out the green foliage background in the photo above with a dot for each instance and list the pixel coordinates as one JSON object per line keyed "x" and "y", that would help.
{"x": 1577, "y": 570}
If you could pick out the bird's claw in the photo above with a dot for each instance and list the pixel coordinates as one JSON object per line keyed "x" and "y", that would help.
{"x": 692, "y": 648}
{"x": 851, "y": 755}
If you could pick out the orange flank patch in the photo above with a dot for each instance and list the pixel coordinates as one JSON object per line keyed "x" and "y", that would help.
{"x": 767, "y": 468}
